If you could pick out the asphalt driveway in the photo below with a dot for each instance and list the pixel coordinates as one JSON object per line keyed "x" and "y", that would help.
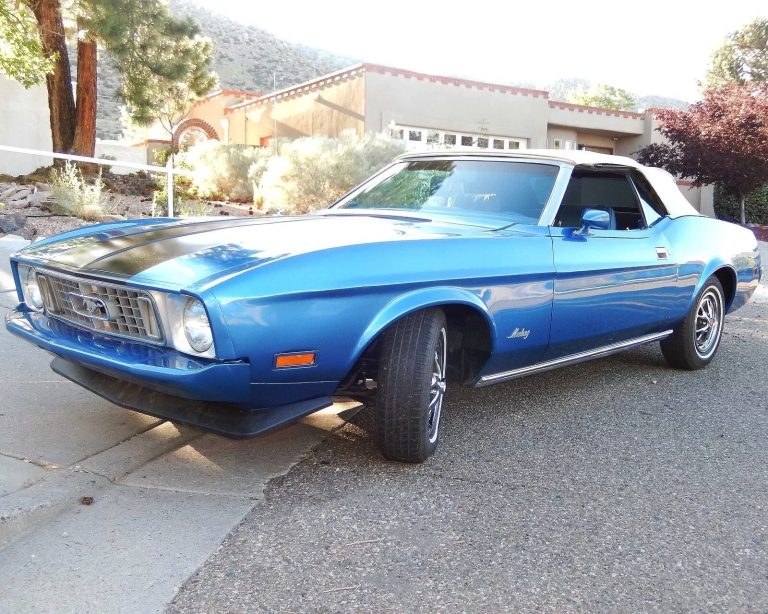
{"x": 617, "y": 485}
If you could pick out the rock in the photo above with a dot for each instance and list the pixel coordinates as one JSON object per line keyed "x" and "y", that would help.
{"x": 39, "y": 197}
{"x": 27, "y": 233}
{"x": 8, "y": 192}
{"x": 18, "y": 204}
{"x": 12, "y": 222}
{"x": 111, "y": 217}
{"x": 21, "y": 192}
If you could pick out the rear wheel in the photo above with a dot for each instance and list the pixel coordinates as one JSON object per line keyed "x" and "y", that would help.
{"x": 411, "y": 386}
{"x": 694, "y": 342}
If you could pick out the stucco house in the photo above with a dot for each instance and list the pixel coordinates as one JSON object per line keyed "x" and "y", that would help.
{"x": 26, "y": 109}
{"x": 425, "y": 110}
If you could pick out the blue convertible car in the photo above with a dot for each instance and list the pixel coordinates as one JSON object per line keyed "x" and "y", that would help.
{"x": 452, "y": 267}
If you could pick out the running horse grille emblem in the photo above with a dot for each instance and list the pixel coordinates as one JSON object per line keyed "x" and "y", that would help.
{"x": 89, "y": 306}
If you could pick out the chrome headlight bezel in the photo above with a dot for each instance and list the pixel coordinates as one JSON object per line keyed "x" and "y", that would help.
{"x": 30, "y": 288}
{"x": 197, "y": 325}
{"x": 170, "y": 308}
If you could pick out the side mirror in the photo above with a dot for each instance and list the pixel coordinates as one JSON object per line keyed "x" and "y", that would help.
{"x": 593, "y": 218}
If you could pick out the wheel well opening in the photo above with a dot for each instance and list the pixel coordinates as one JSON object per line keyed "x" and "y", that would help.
{"x": 469, "y": 347}
{"x": 727, "y": 279}
{"x": 469, "y": 342}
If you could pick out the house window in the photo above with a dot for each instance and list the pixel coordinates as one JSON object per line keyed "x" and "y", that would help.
{"x": 414, "y": 135}
{"x": 482, "y": 142}
{"x": 557, "y": 144}
{"x": 396, "y": 134}
{"x": 498, "y": 143}
{"x": 514, "y": 144}
{"x": 467, "y": 141}
{"x": 449, "y": 139}
{"x": 433, "y": 137}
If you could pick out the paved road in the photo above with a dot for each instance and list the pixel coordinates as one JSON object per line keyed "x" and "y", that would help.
{"x": 617, "y": 485}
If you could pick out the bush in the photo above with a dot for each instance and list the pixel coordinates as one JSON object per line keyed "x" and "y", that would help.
{"x": 73, "y": 195}
{"x": 727, "y": 206}
{"x": 312, "y": 172}
{"x": 161, "y": 155}
{"x": 308, "y": 173}
{"x": 194, "y": 208}
{"x": 223, "y": 171}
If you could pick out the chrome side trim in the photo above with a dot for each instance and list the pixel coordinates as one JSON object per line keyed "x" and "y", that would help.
{"x": 573, "y": 359}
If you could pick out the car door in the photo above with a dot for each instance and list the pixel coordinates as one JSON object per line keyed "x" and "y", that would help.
{"x": 611, "y": 285}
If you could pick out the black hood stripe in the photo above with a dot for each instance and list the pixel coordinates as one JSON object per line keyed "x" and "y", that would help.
{"x": 84, "y": 252}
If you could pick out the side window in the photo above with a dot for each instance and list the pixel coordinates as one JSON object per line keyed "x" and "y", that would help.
{"x": 652, "y": 205}
{"x": 611, "y": 192}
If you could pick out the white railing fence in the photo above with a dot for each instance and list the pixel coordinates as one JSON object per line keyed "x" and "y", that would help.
{"x": 168, "y": 169}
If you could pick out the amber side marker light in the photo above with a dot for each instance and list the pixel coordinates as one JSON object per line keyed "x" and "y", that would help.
{"x": 305, "y": 359}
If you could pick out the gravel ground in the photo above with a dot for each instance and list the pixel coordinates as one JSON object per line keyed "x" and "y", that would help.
{"x": 617, "y": 485}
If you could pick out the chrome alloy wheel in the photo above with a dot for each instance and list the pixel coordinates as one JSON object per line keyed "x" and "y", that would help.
{"x": 709, "y": 322}
{"x": 437, "y": 388}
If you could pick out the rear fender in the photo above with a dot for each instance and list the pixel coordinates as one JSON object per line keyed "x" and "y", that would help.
{"x": 709, "y": 270}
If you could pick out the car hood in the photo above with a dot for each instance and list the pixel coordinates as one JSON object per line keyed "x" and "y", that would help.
{"x": 183, "y": 253}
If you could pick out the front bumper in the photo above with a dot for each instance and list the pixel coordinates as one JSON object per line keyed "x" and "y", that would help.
{"x": 213, "y": 395}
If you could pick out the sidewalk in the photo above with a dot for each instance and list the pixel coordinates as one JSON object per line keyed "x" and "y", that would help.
{"x": 104, "y": 509}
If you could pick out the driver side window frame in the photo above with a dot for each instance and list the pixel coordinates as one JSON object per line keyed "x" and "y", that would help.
{"x": 629, "y": 175}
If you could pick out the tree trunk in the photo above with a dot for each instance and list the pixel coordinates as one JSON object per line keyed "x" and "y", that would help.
{"x": 743, "y": 210}
{"x": 61, "y": 102}
{"x": 85, "y": 131}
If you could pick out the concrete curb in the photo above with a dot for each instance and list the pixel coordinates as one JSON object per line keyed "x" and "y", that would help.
{"x": 24, "y": 510}
{"x": 140, "y": 449}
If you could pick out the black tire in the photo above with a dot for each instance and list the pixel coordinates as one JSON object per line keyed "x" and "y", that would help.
{"x": 411, "y": 386}
{"x": 695, "y": 340}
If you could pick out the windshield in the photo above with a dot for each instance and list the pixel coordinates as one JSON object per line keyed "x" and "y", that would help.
{"x": 513, "y": 191}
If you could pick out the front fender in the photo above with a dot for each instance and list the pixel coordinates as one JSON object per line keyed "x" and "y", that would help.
{"x": 417, "y": 300}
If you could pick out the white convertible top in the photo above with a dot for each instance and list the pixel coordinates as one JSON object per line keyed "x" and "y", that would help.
{"x": 662, "y": 182}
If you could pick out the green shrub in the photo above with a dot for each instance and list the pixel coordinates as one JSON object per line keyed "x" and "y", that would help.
{"x": 73, "y": 195}
{"x": 308, "y": 173}
{"x": 161, "y": 155}
{"x": 313, "y": 172}
{"x": 756, "y": 205}
{"x": 194, "y": 208}
{"x": 223, "y": 171}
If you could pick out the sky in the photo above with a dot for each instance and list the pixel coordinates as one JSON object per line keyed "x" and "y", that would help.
{"x": 649, "y": 47}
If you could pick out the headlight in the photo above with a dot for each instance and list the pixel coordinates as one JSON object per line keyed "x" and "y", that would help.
{"x": 30, "y": 288}
{"x": 197, "y": 328}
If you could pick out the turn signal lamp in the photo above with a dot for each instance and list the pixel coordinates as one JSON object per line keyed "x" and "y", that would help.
{"x": 305, "y": 359}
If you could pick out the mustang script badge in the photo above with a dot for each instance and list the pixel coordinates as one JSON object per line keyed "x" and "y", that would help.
{"x": 520, "y": 333}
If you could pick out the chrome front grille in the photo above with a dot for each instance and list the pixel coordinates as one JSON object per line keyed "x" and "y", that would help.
{"x": 106, "y": 308}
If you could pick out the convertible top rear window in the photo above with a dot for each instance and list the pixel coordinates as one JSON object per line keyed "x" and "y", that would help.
{"x": 513, "y": 191}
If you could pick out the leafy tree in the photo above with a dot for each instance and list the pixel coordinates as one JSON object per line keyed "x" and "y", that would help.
{"x": 21, "y": 50}
{"x": 605, "y": 96}
{"x": 564, "y": 89}
{"x": 156, "y": 54}
{"x": 743, "y": 57}
{"x": 721, "y": 139}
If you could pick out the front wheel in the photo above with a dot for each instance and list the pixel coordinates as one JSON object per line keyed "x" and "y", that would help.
{"x": 411, "y": 386}
{"x": 694, "y": 342}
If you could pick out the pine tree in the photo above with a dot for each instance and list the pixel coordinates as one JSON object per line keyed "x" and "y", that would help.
{"x": 157, "y": 56}
{"x": 742, "y": 58}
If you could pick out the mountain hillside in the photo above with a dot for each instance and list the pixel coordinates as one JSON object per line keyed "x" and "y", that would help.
{"x": 245, "y": 57}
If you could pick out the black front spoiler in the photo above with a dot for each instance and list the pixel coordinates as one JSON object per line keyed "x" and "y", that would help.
{"x": 221, "y": 418}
